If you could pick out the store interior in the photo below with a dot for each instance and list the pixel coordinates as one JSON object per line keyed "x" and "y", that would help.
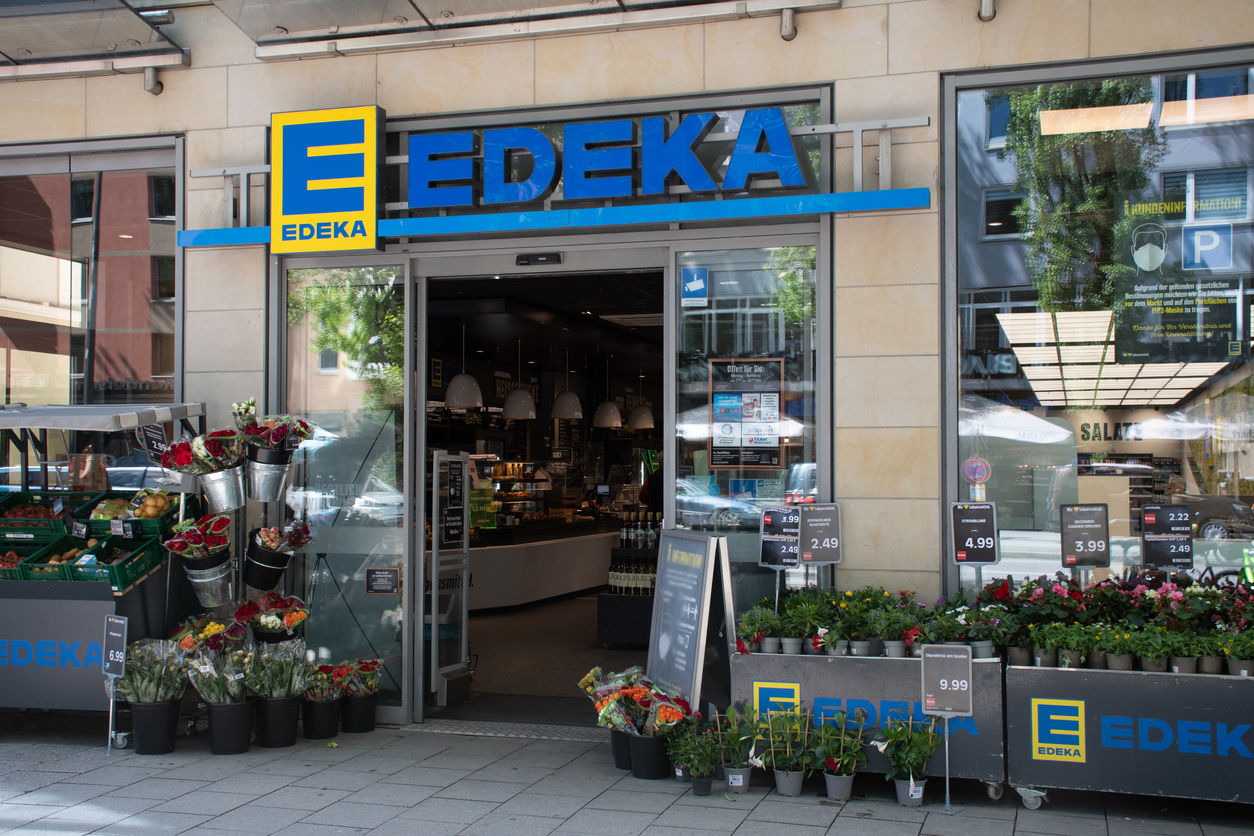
{"x": 547, "y": 481}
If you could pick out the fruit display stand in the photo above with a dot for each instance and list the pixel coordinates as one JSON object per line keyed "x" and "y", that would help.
{"x": 884, "y": 688}
{"x": 1165, "y": 734}
{"x": 51, "y": 630}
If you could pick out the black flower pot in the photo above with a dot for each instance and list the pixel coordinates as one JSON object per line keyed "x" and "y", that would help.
{"x": 230, "y": 727}
{"x": 209, "y": 561}
{"x": 620, "y": 748}
{"x": 276, "y": 636}
{"x": 264, "y": 455}
{"x": 648, "y": 758}
{"x": 263, "y": 568}
{"x": 155, "y": 726}
{"x": 358, "y": 714}
{"x": 321, "y": 720}
{"x": 276, "y": 722}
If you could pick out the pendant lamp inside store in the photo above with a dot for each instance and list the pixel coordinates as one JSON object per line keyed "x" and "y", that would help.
{"x": 567, "y": 406}
{"x": 463, "y": 390}
{"x": 640, "y": 418}
{"x": 519, "y": 405}
{"x": 607, "y": 413}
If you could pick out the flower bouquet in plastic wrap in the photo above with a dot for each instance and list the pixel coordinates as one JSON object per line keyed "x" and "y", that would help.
{"x": 154, "y": 672}
{"x": 633, "y": 704}
{"x": 200, "y": 454}
{"x": 219, "y": 676}
{"x": 273, "y": 617}
{"x": 278, "y": 671}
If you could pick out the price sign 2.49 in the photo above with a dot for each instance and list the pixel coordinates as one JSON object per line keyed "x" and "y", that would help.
{"x": 975, "y": 532}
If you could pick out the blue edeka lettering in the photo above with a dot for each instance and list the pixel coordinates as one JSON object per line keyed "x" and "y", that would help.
{"x": 49, "y": 654}
{"x": 1192, "y": 737}
{"x": 826, "y": 707}
{"x": 326, "y": 230}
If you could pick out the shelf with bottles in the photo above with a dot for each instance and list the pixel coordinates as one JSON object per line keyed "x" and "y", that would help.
{"x": 633, "y": 572}
{"x": 639, "y": 530}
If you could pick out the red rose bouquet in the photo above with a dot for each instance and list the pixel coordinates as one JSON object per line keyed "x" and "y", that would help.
{"x": 361, "y": 678}
{"x": 323, "y": 684}
{"x": 197, "y": 538}
{"x": 272, "y": 613}
{"x": 277, "y": 432}
{"x": 201, "y": 454}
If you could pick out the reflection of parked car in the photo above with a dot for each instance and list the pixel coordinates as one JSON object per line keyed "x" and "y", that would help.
{"x": 383, "y": 503}
{"x": 1218, "y": 517}
{"x": 803, "y": 484}
{"x": 121, "y": 478}
{"x": 696, "y": 508}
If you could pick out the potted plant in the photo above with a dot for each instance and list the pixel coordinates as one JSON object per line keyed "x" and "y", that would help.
{"x": 1210, "y": 651}
{"x": 273, "y": 618}
{"x": 1183, "y": 652}
{"x": 679, "y": 747}
{"x": 987, "y": 627}
{"x": 1153, "y": 646}
{"x": 215, "y": 459}
{"x": 811, "y": 615}
{"x": 840, "y": 746}
{"x": 153, "y": 684}
{"x": 703, "y": 756}
{"x": 1116, "y": 643}
{"x": 751, "y": 628}
{"x": 833, "y": 642}
{"x": 788, "y": 752}
{"x": 1095, "y": 658}
{"x": 772, "y": 628}
{"x": 1239, "y": 649}
{"x": 320, "y": 704}
{"x": 737, "y": 733}
{"x": 278, "y": 678}
{"x": 909, "y": 746}
{"x": 361, "y": 693}
{"x": 219, "y": 679}
{"x": 269, "y": 551}
{"x": 1074, "y": 643}
{"x": 1045, "y": 641}
{"x": 888, "y": 626}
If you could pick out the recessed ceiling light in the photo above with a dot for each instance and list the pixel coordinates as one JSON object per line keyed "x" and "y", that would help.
{"x": 126, "y": 236}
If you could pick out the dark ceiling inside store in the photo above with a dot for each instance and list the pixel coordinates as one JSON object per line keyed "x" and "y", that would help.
{"x": 614, "y": 313}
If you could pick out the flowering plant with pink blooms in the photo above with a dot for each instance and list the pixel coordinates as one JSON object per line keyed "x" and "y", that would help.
{"x": 277, "y": 432}
{"x": 1043, "y": 600}
{"x": 198, "y": 538}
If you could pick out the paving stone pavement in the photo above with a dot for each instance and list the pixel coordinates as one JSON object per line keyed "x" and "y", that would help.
{"x": 55, "y": 780}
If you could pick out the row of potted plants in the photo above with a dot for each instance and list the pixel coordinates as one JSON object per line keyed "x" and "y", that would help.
{"x": 1164, "y": 624}
{"x": 241, "y": 681}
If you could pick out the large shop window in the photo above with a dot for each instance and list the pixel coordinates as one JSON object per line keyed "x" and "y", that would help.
{"x": 745, "y": 389}
{"x": 348, "y": 480}
{"x": 87, "y": 292}
{"x": 1105, "y": 349}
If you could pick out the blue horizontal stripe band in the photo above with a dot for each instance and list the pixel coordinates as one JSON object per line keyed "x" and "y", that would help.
{"x": 657, "y": 213}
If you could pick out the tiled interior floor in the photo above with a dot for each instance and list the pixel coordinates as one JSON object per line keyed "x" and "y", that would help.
{"x": 55, "y": 779}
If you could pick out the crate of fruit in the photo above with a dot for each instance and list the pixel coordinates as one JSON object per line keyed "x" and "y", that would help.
{"x": 155, "y": 512}
{"x": 31, "y": 515}
{"x": 115, "y": 560}
{"x": 13, "y": 552}
{"x": 51, "y": 561}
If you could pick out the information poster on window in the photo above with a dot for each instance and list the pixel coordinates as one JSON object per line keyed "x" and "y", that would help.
{"x": 1168, "y": 320}
{"x": 745, "y": 408}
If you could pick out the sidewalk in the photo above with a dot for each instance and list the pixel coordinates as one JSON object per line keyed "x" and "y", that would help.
{"x": 55, "y": 779}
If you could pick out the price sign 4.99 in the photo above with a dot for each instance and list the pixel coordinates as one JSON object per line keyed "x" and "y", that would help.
{"x": 975, "y": 532}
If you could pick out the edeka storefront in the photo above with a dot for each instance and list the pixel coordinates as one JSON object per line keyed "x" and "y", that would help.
{"x": 897, "y": 250}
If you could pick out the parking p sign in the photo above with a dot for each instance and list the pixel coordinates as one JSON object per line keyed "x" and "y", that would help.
{"x": 1207, "y": 247}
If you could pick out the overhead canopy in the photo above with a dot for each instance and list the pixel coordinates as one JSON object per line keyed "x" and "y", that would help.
{"x": 95, "y": 417}
{"x": 37, "y": 31}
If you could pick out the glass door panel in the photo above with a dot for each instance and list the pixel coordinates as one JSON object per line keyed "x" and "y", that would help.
{"x": 345, "y": 373}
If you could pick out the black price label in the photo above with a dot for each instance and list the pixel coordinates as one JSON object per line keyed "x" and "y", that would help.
{"x": 947, "y": 680}
{"x": 114, "y": 645}
{"x": 819, "y": 534}
{"x": 780, "y": 527}
{"x": 1166, "y": 536}
{"x": 452, "y": 527}
{"x": 455, "y": 484}
{"x": 153, "y": 436}
{"x": 383, "y": 581}
{"x": 122, "y": 528}
{"x": 975, "y": 532}
{"x": 80, "y": 530}
{"x": 1085, "y": 535}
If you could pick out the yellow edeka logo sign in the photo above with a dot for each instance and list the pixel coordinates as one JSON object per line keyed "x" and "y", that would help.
{"x": 1058, "y": 730}
{"x": 773, "y": 697}
{"x": 325, "y": 176}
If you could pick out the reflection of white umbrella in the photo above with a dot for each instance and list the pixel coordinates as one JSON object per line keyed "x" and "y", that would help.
{"x": 981, "y": 417}
{"x": 694, "y": 424}
{"x": 1174, "y": 426}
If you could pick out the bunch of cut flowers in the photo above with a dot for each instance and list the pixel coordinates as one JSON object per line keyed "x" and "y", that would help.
{"x": 278, "y": 671}
{"x": 272, "y": 613}
{"x": 361, "y": 677}
{"x": 244, "y": 413}
{"x": 202, "y": 454}
{"x": 198, "y": 538}
{"x": 277, "y": 432}
{"x": 154, "y": 672}
{"x": 631, "y": 703}
{"x": 219, "y": 677}
{"x": 326, "y": 682}
{"x": 287, "y": 539}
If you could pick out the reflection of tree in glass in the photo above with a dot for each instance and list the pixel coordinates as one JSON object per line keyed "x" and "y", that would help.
{"x": 793, "y": 269}
{"x": 360, "y": 312}
{"x": 1077, "y": 244}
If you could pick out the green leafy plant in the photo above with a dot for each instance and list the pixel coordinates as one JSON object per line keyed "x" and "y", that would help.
{"x": 908, "y": 745}
{"x": 1239, "y": 645}
{"x": 1153, "y": 643}
{"x": 1048, "y": 636}
{"x": 154, "y": 673}
{"x": 803, "y": 618}
{"x": 840, "y": 746}
{"x": 1115, "y": 640}
{"x": 755, "y": 621}
{"x": 788, "y": 746}
{"x": 737, "y": 732}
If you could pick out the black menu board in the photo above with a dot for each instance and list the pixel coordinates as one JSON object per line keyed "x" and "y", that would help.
{"x": 1166, "y": 536}
{"x": 689, "y": 643}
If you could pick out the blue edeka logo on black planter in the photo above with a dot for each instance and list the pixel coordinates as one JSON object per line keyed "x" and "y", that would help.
{"x": 1059, "y": 733}
{"x": 49, "y": 654}
{"x": 1058, "y": 730}
{"x": 325, "y": 173}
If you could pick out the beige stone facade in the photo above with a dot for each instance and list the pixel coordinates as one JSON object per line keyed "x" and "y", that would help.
{"x": 883, "y": 60}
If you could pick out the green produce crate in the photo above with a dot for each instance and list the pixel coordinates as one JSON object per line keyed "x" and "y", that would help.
{"x": 146, "y": 527}
{"x": 145, "y": 554}
{"x": 37, "y": 568}
{"x": 24, "y": 549}
{"x": 48, "y": 528}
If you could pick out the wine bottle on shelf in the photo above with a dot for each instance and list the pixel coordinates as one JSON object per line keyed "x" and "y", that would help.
{"x": 615, "y": 589}
{"x": 631, "y": 577}
{"x": 651, "y": 535}
{"x": 622, "y": 531}
{"x": 639, "y": 543}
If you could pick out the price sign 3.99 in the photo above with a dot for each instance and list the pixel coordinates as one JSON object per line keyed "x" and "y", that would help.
{"x": 1085, "y": 535}
{"x": 975, "y": 532}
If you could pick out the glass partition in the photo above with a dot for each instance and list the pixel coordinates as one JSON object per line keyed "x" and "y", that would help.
{"x": 1104, "y": 236}
{"x": 745, "y": 388}
{"x": 345, "y": 362}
